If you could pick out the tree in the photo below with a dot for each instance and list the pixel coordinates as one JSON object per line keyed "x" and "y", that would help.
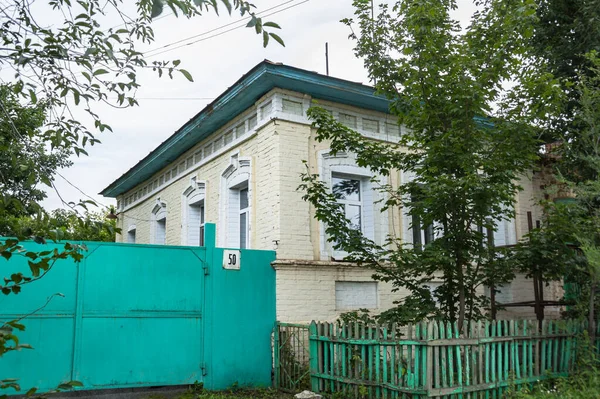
{"x": 565, "y": 31}
{"x": 467, "y": 141}
{"x": 65, "y": 225}
{"x": 75, "y": 62}
{"x": 22, "y": 170}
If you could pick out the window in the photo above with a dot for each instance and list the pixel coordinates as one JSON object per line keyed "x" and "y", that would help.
{"x": 228, "y": 137}
{"x": 348, "y": 120}
{"x": 252, "y": 122}
{"x": 393, "y": 131}
{"x": 196, "y": 224}
{"x": 244, "y": 210}
{"x": 240, "y": 129}
{"x": 346, "y": 189}
{"x": 505, "y": 233}
{"x": 504, "y": 293}
{"x": 208, "y": 150}
{"x": 193, "y": 213}
{"x": 198, "y": 156}
{"x": 292, "y": 107}
{"x": 421, "y": 235}
{"x": 354, "y": 188}
{"x": 160, "y": 236}
{"x": 371, "y": 125}
{"x": 189, "y": 162}
{"x": 131, "y": 234}
{"x": 235, "y": 208}
{"x": 354, "y": 295}
{"x": 218, "y": 144}
{"x": 266, "y": 109}
{"x": 159, "y": 221}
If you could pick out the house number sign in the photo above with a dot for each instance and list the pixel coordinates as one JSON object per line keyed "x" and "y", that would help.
{"x": 231, "y": 259}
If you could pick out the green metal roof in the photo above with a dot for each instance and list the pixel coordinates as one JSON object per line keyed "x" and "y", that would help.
{"x": 243, "y": 94}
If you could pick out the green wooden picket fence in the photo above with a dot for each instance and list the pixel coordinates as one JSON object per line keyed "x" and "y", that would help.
{"x": 435, "y": 359}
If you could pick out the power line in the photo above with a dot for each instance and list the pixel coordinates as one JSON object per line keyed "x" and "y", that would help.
{"x": 173, "y": 98}
{"x": 217, "y": 28}
{"x": 217, "y": 34}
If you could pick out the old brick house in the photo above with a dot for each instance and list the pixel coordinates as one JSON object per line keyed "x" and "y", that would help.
{"x": 237, "y": 163}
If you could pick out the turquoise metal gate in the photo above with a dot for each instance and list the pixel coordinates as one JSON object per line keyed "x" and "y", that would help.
{"x": 145, "y": 315}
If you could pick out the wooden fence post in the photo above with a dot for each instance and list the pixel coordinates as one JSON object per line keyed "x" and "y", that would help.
{"x": 314, "y": 361}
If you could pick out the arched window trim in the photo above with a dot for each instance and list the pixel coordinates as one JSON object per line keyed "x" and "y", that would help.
{"x": 159, "y": 212}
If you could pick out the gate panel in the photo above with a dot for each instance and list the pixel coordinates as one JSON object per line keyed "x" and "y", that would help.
{"x": 142, "y": 325}
{"x": 144, "y": 315}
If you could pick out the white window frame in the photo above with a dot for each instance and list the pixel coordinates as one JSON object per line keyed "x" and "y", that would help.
{"x": 407, "y": 219}
{"x": 193, "y": 196}
{"x": 158, "y": 217}
{"x": 246, "y": 212}
{"x": 131, "y": 234}
{"x": 237, "y": 176}
{"x": 374, "y": 223}
{"x": 360, "y": 202}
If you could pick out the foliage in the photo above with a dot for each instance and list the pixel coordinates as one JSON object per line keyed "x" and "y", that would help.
{"x": 582, "y": 383}
{"x": 65, "y": 225}
{"x": 567, "y": 243}
{"x": 79, "y": 62}
{"x": 565, "y": 31}
{"x": 62, "y": 58}
{"x": 468, "y": 139}
{"x": 26, "y": 161}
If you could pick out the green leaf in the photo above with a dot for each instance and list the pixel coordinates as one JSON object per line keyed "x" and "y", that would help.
{"x": 277, "y": 38}
{"x": 100, "y": 72}
{"x": 157, "y": 8}
{"x": 32, "y": 96}
{"x": 187, "y": 75}
{"x": 252, "y": 22}
{"x": 265, "y": 39}
{"x": 271, "y": 25}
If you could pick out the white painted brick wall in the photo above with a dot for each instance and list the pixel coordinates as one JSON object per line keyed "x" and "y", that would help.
{"x": 306, "y": 291}
{"x": 281, "y": 220}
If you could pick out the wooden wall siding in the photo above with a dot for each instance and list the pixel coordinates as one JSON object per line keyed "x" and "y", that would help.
{"x": 435, "y": 360}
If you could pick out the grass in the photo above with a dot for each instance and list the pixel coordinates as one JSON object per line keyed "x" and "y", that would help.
{"x": 197, "y": 392}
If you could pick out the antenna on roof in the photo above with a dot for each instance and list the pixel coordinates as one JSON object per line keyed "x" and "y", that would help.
{"x": 327, "y": 58}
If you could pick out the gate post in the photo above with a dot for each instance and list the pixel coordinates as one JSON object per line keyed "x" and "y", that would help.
{"x": 207, "y": 313}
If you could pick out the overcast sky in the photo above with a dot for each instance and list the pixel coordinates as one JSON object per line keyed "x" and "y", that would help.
{"x": 215, "y": 63}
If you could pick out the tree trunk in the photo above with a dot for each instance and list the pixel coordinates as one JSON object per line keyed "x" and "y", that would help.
{"x": 591, "y": 324}
{"x": 461, "y": 297}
